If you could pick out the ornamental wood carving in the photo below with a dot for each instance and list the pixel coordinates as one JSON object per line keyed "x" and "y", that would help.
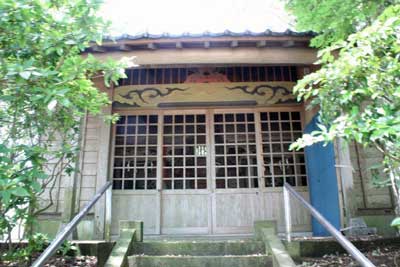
{"x": 207, "y": 75}
{"x": 213, "y": 93}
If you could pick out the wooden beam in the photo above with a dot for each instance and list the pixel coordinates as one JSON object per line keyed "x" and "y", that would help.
{"x": 234, "y": 43}
{"x": 262, "y": 43}
{"x": 239, "y": 55}
{"x": 99, "y": 49}
{"x": 206, "y": 44}
{"x": 151, "y": 46}
{"x": 178, "y": 45}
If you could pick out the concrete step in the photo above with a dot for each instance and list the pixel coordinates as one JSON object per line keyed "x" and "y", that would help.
{"x": 200, "y": 261}
{"x": 213, "y": 237}
{"x": 199, "y": 248}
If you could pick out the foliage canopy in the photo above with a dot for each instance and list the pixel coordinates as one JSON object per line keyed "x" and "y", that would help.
{"x": 357, "y": 88}
{"x": 335, "y": 20}
{"x": 45, "y": 89}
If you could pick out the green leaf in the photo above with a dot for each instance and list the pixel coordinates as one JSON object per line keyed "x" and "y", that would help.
{"x": 20, "y": 191}
{"x": 6, "y": 196}
{"x": 36, "y": 186}
{"x": 396, "y": 222}
{"x": 42, "y": 175}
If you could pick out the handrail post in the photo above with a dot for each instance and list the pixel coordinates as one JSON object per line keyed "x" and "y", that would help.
{"x": 108, "y": 214}
{"x": 66, "y": 231}
{"x": 288, "y": 216}
{"x": 346, "y": 244}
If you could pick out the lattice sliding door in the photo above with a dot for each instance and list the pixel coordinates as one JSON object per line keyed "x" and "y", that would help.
{"x": 135, "y": 153}
{"x": 184, "y": 152}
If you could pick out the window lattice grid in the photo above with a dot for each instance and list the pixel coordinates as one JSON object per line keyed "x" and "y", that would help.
{"x": 278, "y": 131}
{"x": 235, "y": 150}
{"x": 135, "y": 152}
{"x": 184, "y": 152}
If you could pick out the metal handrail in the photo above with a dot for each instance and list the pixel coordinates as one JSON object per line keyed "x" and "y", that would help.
{"x": 347, "y": 245}
{"x": 63, "y": 234}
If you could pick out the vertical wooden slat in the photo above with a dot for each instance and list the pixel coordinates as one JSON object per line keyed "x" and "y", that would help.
{"x": 270, "y": 149}
{"x": 250, "y": 71}
{"x": 139, "y": 76}
{"x": 274, "y": 72}
{"x": 159, "y": 170}
{"x": 102, "y": 172}
{"x": 238, "y": 73}
{"x": 131, "y": 79}
{"x": 211, "y": 170}
{"x": 293, "y": 71}
{"x": 259, "y": 148}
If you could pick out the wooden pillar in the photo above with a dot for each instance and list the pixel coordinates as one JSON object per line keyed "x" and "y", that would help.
{"x": 344, "y": 172}
{"x": 102, "y": 162}
{"x": 71, "y": 199}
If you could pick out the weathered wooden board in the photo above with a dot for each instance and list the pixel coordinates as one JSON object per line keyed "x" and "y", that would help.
{"x": 138, "y": 207}
{"x": 274, "y": 210}
{"x": 239, "y": 55}
{"x": 184, "y": 213}
{"x": 237, "y": 211}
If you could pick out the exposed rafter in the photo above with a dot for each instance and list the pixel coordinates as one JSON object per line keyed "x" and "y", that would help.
{"x": 151, "y": 46}
{"x": 99, "y": 49}
{"x": 262, "y": 43}
{"x": 205, "y": 43}
{"x": 178, "y": 45}
{"x": 289, "y": 43}
{"x": 234, "y": 43}
{"x": 124, "y": 47}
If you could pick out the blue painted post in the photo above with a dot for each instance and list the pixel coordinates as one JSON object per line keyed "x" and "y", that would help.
{"x": 323, "y": 186}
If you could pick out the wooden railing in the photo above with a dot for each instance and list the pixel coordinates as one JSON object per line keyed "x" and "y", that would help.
{"x": 66, "y": 231}
{"x": 346, "y": 244}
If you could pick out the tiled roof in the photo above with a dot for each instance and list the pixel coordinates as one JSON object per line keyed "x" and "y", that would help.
{"x": 226, "y": 33}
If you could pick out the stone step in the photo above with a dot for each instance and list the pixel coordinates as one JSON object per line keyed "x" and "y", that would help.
{"x": 200, "y": 261}
{"x": 199, "y": 248}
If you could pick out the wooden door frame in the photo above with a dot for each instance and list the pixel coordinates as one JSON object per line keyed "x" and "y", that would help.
{"x": 210, "y": 161}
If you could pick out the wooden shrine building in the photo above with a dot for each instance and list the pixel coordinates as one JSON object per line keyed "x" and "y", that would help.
{"x": 202, "y": 143}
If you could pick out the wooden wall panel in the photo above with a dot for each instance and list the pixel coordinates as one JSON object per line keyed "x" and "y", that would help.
{"x": 274, "y": 210}
{"x": 136, "y": 208}
{"x": 367, "y": 195}
{"x": 184, "y": 212}
{"x": 237, "y": 210}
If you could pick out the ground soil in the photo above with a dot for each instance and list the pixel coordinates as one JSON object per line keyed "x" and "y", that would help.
{"x": 384, "y": 256}
{"x": 59, "y": 261}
